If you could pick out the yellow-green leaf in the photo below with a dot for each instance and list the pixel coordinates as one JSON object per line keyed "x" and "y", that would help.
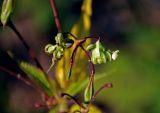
{"x": 93, "y": 109}
{"x": 80, "y": 85}
{"x": 6, "y": 11}
{"x": 88, "y": 93}
{"x": 80, "y": 29}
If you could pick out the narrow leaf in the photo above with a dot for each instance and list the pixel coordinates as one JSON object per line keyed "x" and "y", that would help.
{"x": 88, "y": 93}
{"x": 37, "y": 76}
{"x": 6, "y": 11}
{"x": 80, "y": 85}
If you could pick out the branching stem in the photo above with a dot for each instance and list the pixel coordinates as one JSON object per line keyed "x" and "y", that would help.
{"x": 108, "y": 85}
{"x": 16, "y": 75}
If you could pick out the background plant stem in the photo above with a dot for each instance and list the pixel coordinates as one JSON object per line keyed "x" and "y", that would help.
{"x": 56, "y": 17}
{"x": 29, "y": 50}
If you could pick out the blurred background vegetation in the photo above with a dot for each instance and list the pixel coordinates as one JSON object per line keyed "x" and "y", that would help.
{"x": 132, "y": 26}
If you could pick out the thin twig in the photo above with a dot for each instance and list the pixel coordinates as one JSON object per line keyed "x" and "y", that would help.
{"x": 74, "y": 99}
{"x": 20, "y": 77}
{"x": 78, "y": 43}
{"x": 108, "y": 85}
{"x": 29, "y": 50}
{"x": 57, "y": 20}
{"x": 68, "y": 33}
{"x": 93, "y": 68}
{"x": 72, "y": 61}
{"x": 16, "y": 75}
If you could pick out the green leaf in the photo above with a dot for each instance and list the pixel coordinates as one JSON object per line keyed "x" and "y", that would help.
{"x": 6, "y": 11}
{"x": 80, "y": 85}
{"x": 76, "y": 87}
{"x": 80, "y": 29}
{"x": 88, "y": 93}
{"x": 37, "y": 76}
{"x": 93, "y": 109}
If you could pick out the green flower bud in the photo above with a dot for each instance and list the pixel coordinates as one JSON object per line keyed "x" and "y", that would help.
{"x": 63, "y": 41}
{"x": 49, "y": 48}
{"x": 60, "y": 40}
{"x": 58, "y": 53}
{"x": 89, "y": 91}
{"x": 98, "y": 53}
{"x": 6, "y": 11}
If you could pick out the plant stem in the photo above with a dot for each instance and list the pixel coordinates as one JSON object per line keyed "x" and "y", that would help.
{"x": 25, "y": 80}
{"x": 73, "y": 98}
{"x": 108, "y": 85}
{"x": 57, "y": 20}
{"x": 78, "y": 43}
{"x": 93, "y": 68}
{"x": 16, "y": 75}
{"x": 29, "y": 50}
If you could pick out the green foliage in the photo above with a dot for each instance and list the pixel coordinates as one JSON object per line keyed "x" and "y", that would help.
{"x": 88, "y": 93}
{"x": 80, "y": 31}
{"x": 37, "y": 76}
{"x": 93, "y": 109}
{"x": 6, "y": 11}
{"x": 80, "y": 85}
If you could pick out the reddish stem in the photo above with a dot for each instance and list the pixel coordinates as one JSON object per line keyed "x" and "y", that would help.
{"x": 72, "y": 61}
{"x": 93, "y": 68}
{"x": 78, "y": 43}
{"x": 108, "y": 85}
{"x": 20, "y": 77}
{"x": 29, "y": 50}
{"x": 16, "y": 75}
{"x": 57, "y": 20}
{"x": 74, "y": 99}
{"x": 68, "y": 33}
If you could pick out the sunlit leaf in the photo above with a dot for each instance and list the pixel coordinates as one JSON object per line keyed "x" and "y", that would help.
{"x": 6, "y": 11}
{"x": 80, "y": 29}
{"x": 37, "y": 76}
{"x": 88, "y": 93}
{"x": 92, "y": 109}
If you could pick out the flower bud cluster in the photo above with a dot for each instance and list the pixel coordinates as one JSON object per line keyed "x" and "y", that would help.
{"x": 57, "y": 50}
{"x": 100, "y": 54}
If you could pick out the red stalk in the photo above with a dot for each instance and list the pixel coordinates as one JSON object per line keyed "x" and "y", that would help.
{"x": 57, "y": 20}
